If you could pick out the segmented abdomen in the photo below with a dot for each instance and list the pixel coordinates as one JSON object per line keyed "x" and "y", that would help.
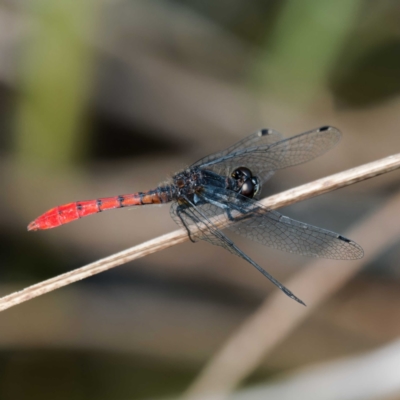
{"x": 72, "y": 211}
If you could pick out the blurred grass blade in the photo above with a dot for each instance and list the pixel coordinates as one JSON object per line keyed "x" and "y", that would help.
{"x": 303, "y": 48}
{"x": 54, "y": 82}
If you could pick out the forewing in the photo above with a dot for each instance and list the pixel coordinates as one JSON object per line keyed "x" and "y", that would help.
{"x": 221, "y": 162}
{"x": 263, "y": 159}
{"x": 199, "y": 221}
{"x": 271, "y": 228}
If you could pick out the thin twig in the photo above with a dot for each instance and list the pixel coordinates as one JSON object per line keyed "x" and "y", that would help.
{"x": 291, "y": 196}
{"x": 276, "y": 318}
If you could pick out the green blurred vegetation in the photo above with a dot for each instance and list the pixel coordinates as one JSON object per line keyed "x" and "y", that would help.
{"x": 55, "y": 80}
{"x": 307, "y": 39}
{"x": 349, "y": 47}
{"x": 305, "y": 48}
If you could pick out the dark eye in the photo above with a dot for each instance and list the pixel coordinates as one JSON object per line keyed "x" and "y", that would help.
{"x": 241, "y": 173}
{"x": 247, "y": 188}
{"x": 236, "y": 174}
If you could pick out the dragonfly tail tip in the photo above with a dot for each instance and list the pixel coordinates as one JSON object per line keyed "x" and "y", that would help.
{"x": 33, "y": 226}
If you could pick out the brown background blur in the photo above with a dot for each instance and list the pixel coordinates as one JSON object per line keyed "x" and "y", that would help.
{"x": 106, "y": 97}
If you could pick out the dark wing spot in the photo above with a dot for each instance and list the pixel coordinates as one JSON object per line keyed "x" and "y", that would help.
{"x": 324, "y": 128}
{"x": 265, "y": 132}
{"x": 344, "y": 239}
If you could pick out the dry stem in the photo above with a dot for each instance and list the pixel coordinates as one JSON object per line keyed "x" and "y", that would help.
{"x": 291, "y": 196}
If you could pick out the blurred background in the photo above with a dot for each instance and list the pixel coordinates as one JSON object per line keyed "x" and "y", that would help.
{"x": 106, "y": 97}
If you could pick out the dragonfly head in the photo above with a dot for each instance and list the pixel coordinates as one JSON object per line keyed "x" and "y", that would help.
{"x": 248, "y": 184}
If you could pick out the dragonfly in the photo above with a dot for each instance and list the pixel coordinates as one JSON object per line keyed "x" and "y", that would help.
{"x": 222, "y": 190}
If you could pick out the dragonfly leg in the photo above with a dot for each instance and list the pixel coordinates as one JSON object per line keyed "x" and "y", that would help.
{"x": 181, "y": 210}
{"x": 242, "y": 216}
{"x": 243, "y": 213}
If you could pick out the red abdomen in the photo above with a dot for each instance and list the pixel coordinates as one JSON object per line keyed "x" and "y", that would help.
{"x": 70, "y": 212}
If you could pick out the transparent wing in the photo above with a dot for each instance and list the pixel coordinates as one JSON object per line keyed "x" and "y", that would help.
{"x": 263, "y": 159}
{"x": 260, "y": 139}
{"x": 270, "y": 228}
{"x": 197, "y": 221}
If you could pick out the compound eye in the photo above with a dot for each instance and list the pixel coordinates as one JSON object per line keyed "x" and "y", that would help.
{"x": 236, "y": 174}
{"x": 241, "y": 172}
{"x": 247, "y": 189}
